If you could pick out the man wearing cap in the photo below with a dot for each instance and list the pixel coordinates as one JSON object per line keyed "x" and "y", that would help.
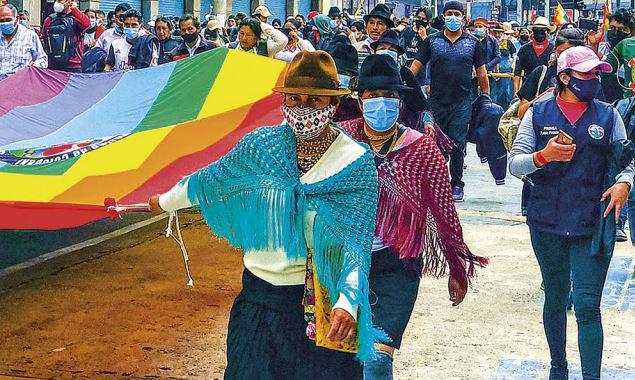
{"x": 261, "y": 13}
{"x": 535, "y": 53}
{"x": 377, "y": 21}
{"x": 564, "y": 215}
{"x": 415, "y": 199}
{"x": 492, "y": 53}
{"x": 300, "y": 200}
{"x": 213, "y": 33}
{"x": 502, "y": 78}
{"x": 453, "y": 56}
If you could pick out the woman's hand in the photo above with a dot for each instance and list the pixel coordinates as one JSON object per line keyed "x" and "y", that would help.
{"x": 343, "y": 325}
{"x": 456, "y": 290}
{"x": 154, "y": 203}
{"x": 558, "y": 152}
{"x": 619, "y": 195}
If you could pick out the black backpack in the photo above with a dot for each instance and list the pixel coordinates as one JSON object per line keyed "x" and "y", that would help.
{"x": 59, "y": 41}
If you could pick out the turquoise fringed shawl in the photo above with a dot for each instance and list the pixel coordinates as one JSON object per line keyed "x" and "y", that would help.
{"x": 253, "y": 198}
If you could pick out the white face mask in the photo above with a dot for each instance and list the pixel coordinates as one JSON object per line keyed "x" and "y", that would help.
{"x": 308, "y": 122}
{"x": 58, "y": 7}
{"x": 390, "y": 53}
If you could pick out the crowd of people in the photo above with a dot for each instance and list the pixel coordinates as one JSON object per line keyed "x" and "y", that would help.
{"x": 414, "y": 91}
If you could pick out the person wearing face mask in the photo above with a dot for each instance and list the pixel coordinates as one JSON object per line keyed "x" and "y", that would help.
{"x": 23, "y": 17}
{"x": 116, "y": 31}
{"x": 423, "y": 29}
{"x": 454, "y": 55}
{"x": 524, "y": 36}
{"x": 63, "y": 35}
{"x": 324, "y": 32}
{"x": 94, "y": 32}
{"x": 490, "y": 44}
{"x": 300, "y": 199}
{"x": 533, "y": 54}
{"x": 20, "y": 47}
{"x": 413, "y": 202}
{"x": 621, "y": 27}
{"x": 414, "y": 101}
{"x": 357, "y": 30}
{"x": 377, "y": 22}
{"x": 167, "y": 41}
{"x": 137, "y": 50}
{"x": 622, "y": 55}
{"x": 213, "y": 33}
{"x": 579, "y": 188}
{"x": 193, "y": 43}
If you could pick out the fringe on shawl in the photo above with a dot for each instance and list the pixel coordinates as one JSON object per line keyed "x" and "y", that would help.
{"x": 418, "y": 236}
{"x": 252, "y": 205}
{"x": 335, "y": 264}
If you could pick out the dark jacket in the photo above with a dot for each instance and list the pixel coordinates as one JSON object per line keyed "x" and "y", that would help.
{"x": 181, "y": 51}
{"x": 483, "y": 132}
{"x": 166, "y": 46}
{"x": 492, "y": 51}
{"x": 565, "y": 198}
{"x": 140, "y": 55}
{"x": 626, "y": 108}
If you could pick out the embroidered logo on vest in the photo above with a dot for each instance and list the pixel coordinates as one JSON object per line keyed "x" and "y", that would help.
{"x": 596, "y": 132}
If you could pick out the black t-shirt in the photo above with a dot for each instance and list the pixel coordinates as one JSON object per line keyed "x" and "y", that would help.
{"x": 451, "y": 65}
{"x": 530, "y": 84}
{"x": 527, "y": 59}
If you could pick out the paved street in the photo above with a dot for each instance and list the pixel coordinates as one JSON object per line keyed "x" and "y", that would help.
{"x": 121, "y": 308}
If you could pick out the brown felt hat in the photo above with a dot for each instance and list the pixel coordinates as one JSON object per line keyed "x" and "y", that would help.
{"x": 312, "y": 73}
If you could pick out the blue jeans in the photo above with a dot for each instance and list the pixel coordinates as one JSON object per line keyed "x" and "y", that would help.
{"x": 453, "y": 120}
{"x": 561, "y": 259}
{"x": 379, "y": 368}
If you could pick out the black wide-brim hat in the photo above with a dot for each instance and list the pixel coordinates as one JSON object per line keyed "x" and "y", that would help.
{"x": 381, "y": 11}
{"x": 380, "y": 72}
{"x": 346, "y": 59}
{"x": 388, "y": 37}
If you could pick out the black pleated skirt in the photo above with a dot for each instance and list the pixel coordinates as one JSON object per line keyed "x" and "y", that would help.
{"x": 266, "y": 338}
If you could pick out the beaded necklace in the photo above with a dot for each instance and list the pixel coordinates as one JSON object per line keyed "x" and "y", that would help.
{"x": 309, "y": 152}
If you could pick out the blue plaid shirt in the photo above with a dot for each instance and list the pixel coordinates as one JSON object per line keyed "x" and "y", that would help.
{"x": 25, "y": 48}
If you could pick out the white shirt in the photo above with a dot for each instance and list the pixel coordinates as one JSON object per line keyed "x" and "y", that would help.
{"x": 274, "y": 266}
{"x": 24, "y": 48}
{"x": 107, "y": 37}
{"x": 119, "y": 49}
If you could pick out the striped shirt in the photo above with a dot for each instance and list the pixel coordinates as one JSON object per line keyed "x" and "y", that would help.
{"x": 25, "y": 48}
{"x": 363, "y": 50}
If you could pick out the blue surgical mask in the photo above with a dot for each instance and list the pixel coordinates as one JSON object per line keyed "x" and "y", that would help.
{"x": 7, "y": 28}
{"x": 333, "y": 24}
{"x": 479, "y": 32}
{"x": 584, "y": 89}
{"x": 24, "y": 23}
{"x": 344, "y": 80}
{"x": 390, "y": 53}
{"x": 118, "y": 29}
{"x": 93, "y": 22}
{"x": 381, "y": 113}
{"x": 453, "y": 23}
{"x": 131, "y": 33}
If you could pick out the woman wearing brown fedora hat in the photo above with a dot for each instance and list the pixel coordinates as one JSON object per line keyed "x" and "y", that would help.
{"x": 418, "y": 230}
{"x": 300, "y": 200}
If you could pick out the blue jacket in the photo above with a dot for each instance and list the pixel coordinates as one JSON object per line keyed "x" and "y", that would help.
{"x": 140, "y": 55}
{"x": 483, "y": 132}
{"x": 493, "y": 54}
{"x": 565, "y": 198}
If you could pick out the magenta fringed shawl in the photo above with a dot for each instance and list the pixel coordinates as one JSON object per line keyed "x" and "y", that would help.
{"x": 416, "y": 214}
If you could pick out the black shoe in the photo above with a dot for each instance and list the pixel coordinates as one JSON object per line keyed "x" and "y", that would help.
{"x": 620, "y": 234}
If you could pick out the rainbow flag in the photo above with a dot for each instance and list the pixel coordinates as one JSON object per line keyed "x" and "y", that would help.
{"x": 560, "y": 17}
{"x": 70, "y": 141}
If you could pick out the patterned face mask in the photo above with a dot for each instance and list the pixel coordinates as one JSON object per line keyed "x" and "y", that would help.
{"x": 308, "y": 122}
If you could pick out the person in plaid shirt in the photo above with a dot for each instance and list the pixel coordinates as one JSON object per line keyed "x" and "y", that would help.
{"x": 19, "y": 46}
